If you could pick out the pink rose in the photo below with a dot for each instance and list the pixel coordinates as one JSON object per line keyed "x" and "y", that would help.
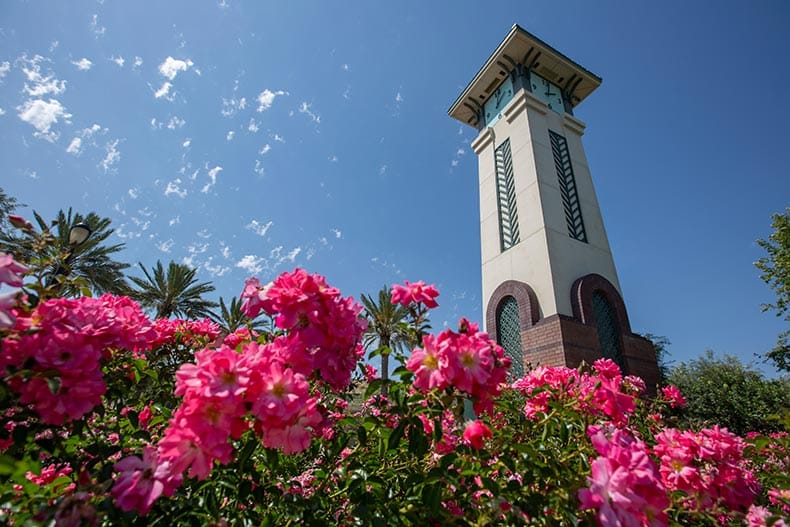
{"x": 476, "y": 433}
{"x": 417, "y": 292}
{"x": 10, "y": 271}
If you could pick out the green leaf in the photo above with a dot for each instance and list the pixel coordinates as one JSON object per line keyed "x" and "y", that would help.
{"x": 437, "y": 429}
{"x": 396, "y": 436}
{"x": 54, "y": 384}
{"x": 431, "y": 497}
{"x": 132, "y": 417}
{"x": 247, "y": 451}
{"x": 7, "y": 465}
{"x": 374, "y": 386}
{"x": 418, "y": 443}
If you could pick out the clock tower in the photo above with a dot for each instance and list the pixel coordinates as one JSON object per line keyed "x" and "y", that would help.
{"x": 550, "y": 290}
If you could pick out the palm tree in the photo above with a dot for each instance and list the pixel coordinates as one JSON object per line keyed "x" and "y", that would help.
{"x": 386, "y": 326}
{"x": 49, "y": 253}
{"x": 231, "y": 317}
{"x": 173, "y": 293}
{"x": 8, "y": 204}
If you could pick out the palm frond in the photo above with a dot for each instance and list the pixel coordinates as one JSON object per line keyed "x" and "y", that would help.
{"x": 173, "y": 292}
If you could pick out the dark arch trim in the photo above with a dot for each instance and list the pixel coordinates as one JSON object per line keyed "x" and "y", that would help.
{"x": 528, "y": 309}
{"x": 581, "y": 300}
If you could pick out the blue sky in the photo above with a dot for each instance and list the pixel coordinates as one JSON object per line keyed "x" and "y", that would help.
{"x": 251, "y": 137}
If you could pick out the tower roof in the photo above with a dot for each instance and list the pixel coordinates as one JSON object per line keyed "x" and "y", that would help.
{"x": 522, "y": 47}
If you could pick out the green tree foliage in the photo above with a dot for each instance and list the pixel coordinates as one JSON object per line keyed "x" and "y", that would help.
{"x": 661, "y": 345}
{"x": 775, "y": 269}
{"x": 175, "y": 292}
{"x": 232, "y": 318}
{"x": 723, "y": 391}
{"x": 46, "y": 250}
{"x": 8, "y": 204}
{"x": 387, "y": 330}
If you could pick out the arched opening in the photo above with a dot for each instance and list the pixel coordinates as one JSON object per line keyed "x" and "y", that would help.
{"x": 608, "y": 329}
{"x": 508, "y": 332}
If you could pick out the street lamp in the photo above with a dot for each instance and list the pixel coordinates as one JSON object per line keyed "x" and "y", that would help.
{"x": 78, "y": 234}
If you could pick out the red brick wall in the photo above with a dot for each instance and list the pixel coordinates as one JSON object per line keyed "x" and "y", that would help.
{"x": 560, "y": 340}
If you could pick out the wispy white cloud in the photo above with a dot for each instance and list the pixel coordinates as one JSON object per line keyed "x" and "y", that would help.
{"x": 4, "y": 68}
{"x": 232, "y": 106}
{"x": 37, "y": 83}
{"x": 83, "y": 64}
{"x": 88, "y": 135}
{"x": 2, "y": 112}
{"x": 138, "y": 61}
{"x": 164, "y": 91}
{"x": 333, "y": 158}
{"x": 258, "y": 169}
{"x": 175, "y": 122}
{"x": 41, "y": 115}
{"x": 258, "y": 228}
{"x": 171, "y": 67}
{"x": 460, "y": 152}
{"x": 174, "y": 188}
{"x": 98, "y": 30}
{"x": 203, "y": 233}
{"x": 251, "y": 263}
{"x": 119, "y": 60}
{"x": 186, "y": 143}
{"x": 338, "y": 233}
{"x": 254, "y": 264}
{"x": 229, "y": 135}
{"x": 382, "y": 170}
{"x": 278, "y": 138}
{"x": 212, "y": 174}
{"x": 133, "y": 192}
{"x": 176, "y": 220}
{"x": 225, "y": 251}
{"x": 344, "y": 67}
{"x": 112, "y": 156}
{"x": 215, "y": 270}
{"x": 165, "y": 246}
{"x": 75, "y": 147}
{"x": 306, "y": 109}
{"x": 389, "y": 266}
{"x": 398, "y": 98}
{"x": 197, "y": 248}
{"x": 253, "y": 126}
{"x": 265, "y": 149}
{"x": 266, "y": 98}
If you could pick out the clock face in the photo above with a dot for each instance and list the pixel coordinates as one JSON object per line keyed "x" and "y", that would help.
{"x": 496, "y": 103}
{"x": 547, "y": 92}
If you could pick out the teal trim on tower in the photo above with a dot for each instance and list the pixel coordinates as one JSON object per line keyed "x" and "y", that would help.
{"x": 506, "y": 198}
{"x": 508, "y": 332}
{"x": 608, "y": 330}
{"x": 567, "y": 181}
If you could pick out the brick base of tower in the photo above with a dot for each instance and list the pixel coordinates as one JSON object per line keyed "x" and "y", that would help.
{"x": 563, "y": 341}
{"x": 560, "y": 340}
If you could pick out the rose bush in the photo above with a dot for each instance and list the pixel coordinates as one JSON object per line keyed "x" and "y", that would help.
{"x": 111, "y": 419}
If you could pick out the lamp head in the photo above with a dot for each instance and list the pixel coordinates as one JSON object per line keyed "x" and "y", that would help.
{"x": 79, "y": 233}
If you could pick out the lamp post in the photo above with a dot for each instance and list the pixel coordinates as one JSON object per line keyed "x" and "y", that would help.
{"x": 77, "y": 236}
